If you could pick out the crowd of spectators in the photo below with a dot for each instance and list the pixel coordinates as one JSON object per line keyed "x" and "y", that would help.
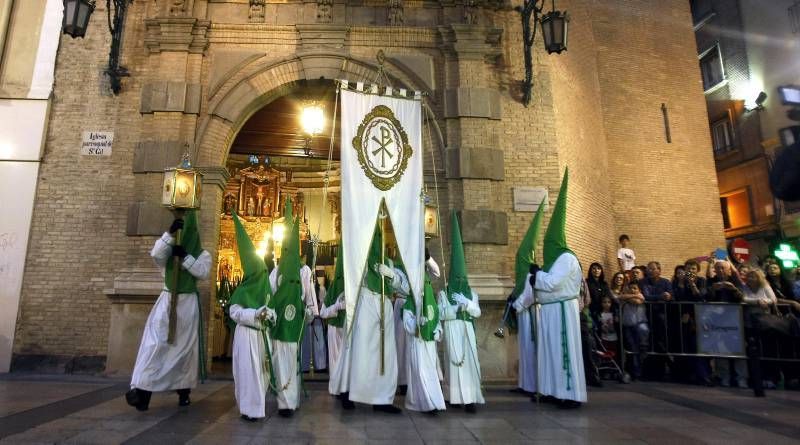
{"x": 631, "y": 312}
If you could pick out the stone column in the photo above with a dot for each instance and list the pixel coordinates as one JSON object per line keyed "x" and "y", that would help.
{"x": 475, "y": 167}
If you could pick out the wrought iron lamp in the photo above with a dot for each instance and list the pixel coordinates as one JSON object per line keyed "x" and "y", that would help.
{"x": 554, "y": 33}
{"x": 76, "y": 20}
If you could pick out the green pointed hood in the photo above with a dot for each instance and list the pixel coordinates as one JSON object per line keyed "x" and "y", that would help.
{"x": 555, "y": 239}
{"x": 335, "y": 289}
{"x": 526, "y": 253}
{"x": 190, "y": 240}
{"x": 373, "y": 279}
{"x": 288, "y": 300}
{"x": 458, "y": 281}
{"x": 254, "y": 291}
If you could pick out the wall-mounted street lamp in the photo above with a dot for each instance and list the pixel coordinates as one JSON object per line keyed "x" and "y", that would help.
{"x": 76, "y": 20}
{"x": 758, "y": 104}
{"x": 554, "y": 33}
{"x": 312, "y": 120}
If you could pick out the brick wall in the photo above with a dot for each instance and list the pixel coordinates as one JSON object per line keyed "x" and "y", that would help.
{"x": 596, "y": 109}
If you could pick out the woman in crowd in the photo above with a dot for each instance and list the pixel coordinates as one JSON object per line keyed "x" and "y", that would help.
{"x": 598, "y": 288}
{"x": 617, "y": 286}
{"x": 781, "y": 286}
{"x": 760, "y": 298}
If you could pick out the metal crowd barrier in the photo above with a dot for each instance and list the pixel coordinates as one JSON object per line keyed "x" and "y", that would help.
{"x": 710, "y": 330}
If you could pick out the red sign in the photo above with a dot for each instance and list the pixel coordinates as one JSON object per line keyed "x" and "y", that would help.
{"x": 741, "y": 249}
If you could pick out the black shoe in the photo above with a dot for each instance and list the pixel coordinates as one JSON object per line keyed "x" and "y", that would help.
{"x": 390, "y": 409}
{"x": 568, "y": 404}
{"x": 544, "y": 399}
{"x": 470, "y": 408}
{"x": 286, "y": 412}
{"x": 183, "y": 397}
{"x": 247, "y": 418}
{"x": 430, "y": 413}
{"x": 402, "y": 389}
{"x": 138, "y": 398}
{"x": 519, "y": 391}
{"x": 346, "y": 402}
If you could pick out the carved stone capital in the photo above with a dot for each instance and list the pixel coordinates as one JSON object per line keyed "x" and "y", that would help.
{"x": 215, "y": 176}
{"x": 176, "y": 34}
{"x": 316, "y": 37}
{"x": 471, "y": 42}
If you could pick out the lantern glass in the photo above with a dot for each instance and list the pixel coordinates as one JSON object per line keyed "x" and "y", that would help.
{"x": 554, "y": 31}
{"x": 76, "y": 17}
{"x": 431, "y": 221}
{"x": 312, "y": 118}
{"x": 181, "y": 189}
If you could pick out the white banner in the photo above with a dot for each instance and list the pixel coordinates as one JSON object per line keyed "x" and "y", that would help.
{"x": 381, "y": 159}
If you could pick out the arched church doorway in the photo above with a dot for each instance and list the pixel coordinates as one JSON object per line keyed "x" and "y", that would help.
{"x": 277, "y": 155}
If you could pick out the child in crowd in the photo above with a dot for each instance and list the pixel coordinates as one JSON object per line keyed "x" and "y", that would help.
{"x": 608, "y": 325}
{"x": 636, "y": 331}
{"x": 626, "y": 258}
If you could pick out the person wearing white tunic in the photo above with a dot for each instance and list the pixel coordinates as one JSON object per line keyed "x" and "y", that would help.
{"x": 251, "y": 367}
{"x": 400, "y": 334}
{"x": 160, "y": 365}
{"x": 313, "y": 346}
{"x": 463, "y": 369}
{"x": 361, "y": 378}
{"x": 522, "y": 298}
{"x": 423, "y": 332}
{"x": 333, "y": 312}
{"x": 557, "y": 287}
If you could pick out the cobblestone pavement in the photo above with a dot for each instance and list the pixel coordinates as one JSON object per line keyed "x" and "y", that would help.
{"x": 59, "y": 409}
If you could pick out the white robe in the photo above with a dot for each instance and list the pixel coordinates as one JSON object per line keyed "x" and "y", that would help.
{"x": 358, "y": 370}
{"x": 527, "y": 347}
{"x": 335, "y": 346}
{"x": 400, "y": 337}
{"x": 314, "y": 337}
{"x": 250, "y": 368}
{"x": 424, "y": 390}
{"x": 562, "y": 283}
{"x": 461, "y": 353}
{"x": 159, "y": 365}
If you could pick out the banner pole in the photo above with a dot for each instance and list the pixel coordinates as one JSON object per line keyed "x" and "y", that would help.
{"x": 383, "y": 287}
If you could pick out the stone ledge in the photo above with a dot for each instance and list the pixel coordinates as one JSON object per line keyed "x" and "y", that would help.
{"x": 483, "y": 226}
{"x": 147, "y": 218}
{"x": 472, "y": 102}
{"x": 475, "y": 163}
{"x": 155, "y": 156}
{"x": 491, "y": 287}
{"x": 179, "y": 97}
{"x": 136, "y": 285}
{"x": 176, "y": 34}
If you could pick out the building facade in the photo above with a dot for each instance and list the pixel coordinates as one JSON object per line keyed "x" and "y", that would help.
{"x": 747, "y": 47}
{"x": 623, "y": 108}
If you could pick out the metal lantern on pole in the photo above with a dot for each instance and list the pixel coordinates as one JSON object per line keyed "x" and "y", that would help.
{"x": 76, "y": 17}
{"x": 554, "y": 31}
{"x": 181, "y": 192}
{"x": 431, "y": 218}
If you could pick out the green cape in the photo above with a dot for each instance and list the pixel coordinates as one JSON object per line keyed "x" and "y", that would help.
{"x": 254, "y": 291}
{"x": 336, "y": 288}
{"x": 458, "y": 281}
{"x": 373, "y": 277}
{"x": 288, "y": 299}
{"x": 430, "y": 310}
{"x": 190, "y": 240}
{"x": 555, "y": 239}
{"x": 526, "y": 253}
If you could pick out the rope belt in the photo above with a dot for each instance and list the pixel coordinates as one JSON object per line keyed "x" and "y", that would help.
{"x": 565, "y": 357}
{"x": 273, "y": 386}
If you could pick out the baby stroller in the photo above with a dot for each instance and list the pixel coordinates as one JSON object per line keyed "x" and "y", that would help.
{"x": 606, "y": 362}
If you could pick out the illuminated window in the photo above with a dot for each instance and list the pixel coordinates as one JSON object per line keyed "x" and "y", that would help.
{"x": 722, "y": 135}
{"x": 736, "y": 210}
{"x": 711, "y": 68}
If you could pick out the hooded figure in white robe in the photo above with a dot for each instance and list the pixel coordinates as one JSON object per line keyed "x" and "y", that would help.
{"x": 161, "y": 364}
{"x": 423, "y": 331}
{"x": 333, "y": 312}
{"x": 312, "y": 352}
{"x": 556, "y": 288}
{"x": 368, "y": 371}
{"x": 252, "y": 360}
{"x": 459, "y": 306}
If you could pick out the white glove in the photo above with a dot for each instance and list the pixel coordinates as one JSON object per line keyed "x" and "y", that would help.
{"x": 422, "y": 320}
{"x": 461, "y": 299}
{"x": 517, "y": 304}
{"x": 384, "y": 270}
{"x": 437, "y": 334}
{"x": 309, "y": 314}
{"x": 409, "y": 322}
{"x": 340, "y": 303}
{"x": 265, "y": 314}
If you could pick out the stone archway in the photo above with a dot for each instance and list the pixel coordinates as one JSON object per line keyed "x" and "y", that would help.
{"x": 249, "y": 86}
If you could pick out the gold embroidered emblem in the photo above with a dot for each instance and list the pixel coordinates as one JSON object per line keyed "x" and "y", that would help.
{"x": 382, "y": 147}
